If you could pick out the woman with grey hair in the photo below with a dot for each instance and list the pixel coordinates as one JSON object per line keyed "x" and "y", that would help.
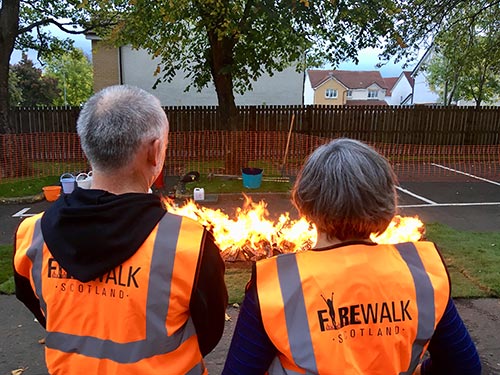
{"x": 349, "y": 305}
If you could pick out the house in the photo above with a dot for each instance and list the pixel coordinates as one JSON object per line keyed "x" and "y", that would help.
{"x": 422, "y": 93}
{"x": 389, "y": 81}
{"x": 124, "y": 65}
{"x": 345, "y": 87}
{"x": 401, "y": 91}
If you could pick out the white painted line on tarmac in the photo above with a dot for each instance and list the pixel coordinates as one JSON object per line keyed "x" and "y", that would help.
{"x": 415, "y": 195}
{"x": 450, "y": 204}
{"x": 22, "y": 213}
{"x": 466, "y": 174}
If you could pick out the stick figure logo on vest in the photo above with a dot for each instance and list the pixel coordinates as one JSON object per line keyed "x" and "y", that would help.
{"x": 364, "y": 319}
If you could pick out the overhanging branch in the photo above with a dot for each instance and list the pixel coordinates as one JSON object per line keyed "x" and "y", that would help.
{"x": 63, "y": 26}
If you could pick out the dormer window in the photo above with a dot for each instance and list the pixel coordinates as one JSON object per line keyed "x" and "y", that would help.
{"x": 372, "y": 94}
{"x": 331, "y": 93}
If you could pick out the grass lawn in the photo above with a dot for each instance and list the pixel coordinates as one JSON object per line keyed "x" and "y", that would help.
{"x": 6, "y": 278}
{"x": 27, "y": 187}
{"x": 472, "y": 260}
{"x": 215, "y": 185}
{"x": 223, "y": 185}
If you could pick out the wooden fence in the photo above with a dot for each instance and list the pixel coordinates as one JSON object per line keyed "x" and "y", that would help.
{"x": 411, "y": 137}
{"x": 392, "y": 124}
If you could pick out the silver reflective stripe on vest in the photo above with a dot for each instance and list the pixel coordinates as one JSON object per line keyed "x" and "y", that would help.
{"x": 35, "y": 254}
{"x": 276, "y": 368}
{"x": 196, "y": 370}
{"x": 297, "y": 323}
{"x": 157, "y": 340}
{"x": 425, "y": 302}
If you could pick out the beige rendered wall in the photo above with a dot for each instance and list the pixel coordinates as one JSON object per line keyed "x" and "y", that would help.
{"x": 106, "y": 65}
{"x": 319, "y": 93}
{"x": 138, "y": 69}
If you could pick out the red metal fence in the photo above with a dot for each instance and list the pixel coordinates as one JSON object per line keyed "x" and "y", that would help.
{"x": 44, "y": 141}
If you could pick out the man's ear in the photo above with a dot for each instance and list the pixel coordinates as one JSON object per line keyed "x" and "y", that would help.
{"x": 154, "y": 152}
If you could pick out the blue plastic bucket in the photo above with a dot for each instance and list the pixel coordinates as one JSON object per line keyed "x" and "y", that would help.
{"x": 68, "y": 183}
{"x": 252, "y": 177}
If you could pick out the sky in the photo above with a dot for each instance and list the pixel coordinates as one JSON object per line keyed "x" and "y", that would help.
{"x": 80, "y": 42}
{"x": 368, "y": 58}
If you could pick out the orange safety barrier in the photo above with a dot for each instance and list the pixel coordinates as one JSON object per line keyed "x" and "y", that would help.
{"x": 33, "y": 155}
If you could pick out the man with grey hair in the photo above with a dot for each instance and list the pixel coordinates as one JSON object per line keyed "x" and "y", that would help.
{"x": 387, "y": 305}
{"x": 122, "y": 286}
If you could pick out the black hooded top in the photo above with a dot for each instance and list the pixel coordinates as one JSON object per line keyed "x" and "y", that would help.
{"x": 90, "y": 232}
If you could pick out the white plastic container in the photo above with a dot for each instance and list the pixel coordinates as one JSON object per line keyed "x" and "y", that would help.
{"x": 199, "y": 194}
{"x": 84, "y": 180}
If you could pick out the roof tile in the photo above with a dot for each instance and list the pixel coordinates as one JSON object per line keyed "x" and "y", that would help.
{"x": 349, "y": 78}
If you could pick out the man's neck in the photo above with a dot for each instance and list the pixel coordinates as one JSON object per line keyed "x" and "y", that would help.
{"x": 120, "y": 182}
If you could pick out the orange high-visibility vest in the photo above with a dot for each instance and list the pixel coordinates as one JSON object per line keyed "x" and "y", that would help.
{"x": 352, "y": 310}
{"x": 134, "y": 319}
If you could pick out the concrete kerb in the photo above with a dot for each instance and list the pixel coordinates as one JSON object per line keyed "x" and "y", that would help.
{"x": 23, "y": 200}
{"x": 40, "y": 197}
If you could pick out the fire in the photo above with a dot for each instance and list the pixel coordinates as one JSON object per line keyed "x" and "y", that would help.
{"x": 251, "y": 235}
{"x": 401, "y": 229}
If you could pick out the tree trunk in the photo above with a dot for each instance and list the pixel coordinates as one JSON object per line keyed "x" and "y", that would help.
{"x": 9, "y": 21}
{"x": 445, "y": 93}
{"x": 480, "y": 89}
{"x": 221, "y": 63}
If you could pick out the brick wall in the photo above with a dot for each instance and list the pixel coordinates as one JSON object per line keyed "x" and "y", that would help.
{"x": 105, "y": 60}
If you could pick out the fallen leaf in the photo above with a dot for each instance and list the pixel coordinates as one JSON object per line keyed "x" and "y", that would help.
{"x": 228, "y": 318}
{"x": 18, "y": 371}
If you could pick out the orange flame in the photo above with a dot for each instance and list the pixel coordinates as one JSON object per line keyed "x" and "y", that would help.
{"x": 251, "y": 235}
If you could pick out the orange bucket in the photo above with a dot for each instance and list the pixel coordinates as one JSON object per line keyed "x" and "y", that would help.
{"x": 51, "y": 192}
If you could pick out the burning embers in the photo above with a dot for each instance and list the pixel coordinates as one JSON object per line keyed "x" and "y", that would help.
{"x": 251, "y": 235}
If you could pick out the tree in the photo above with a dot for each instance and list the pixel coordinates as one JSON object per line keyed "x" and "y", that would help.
{"x": 466, "y": 62}
{"x": 481, "y": 82}
{"x": 73, "y": 72}
{"x": 231, "y": 43}
{"x": 36, "y": 89}
{"x": 23, "y": 25}
{"x": 444, "y": 76}
{"x": 15, "y": 94}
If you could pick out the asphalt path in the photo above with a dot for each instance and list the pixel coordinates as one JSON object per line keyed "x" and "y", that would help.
{"x": 470, "y": 205}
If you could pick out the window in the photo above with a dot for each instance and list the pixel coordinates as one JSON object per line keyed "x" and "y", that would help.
{"x": 349, "y": 93}
{"x": 331, "y": 93}
{"x": 372, "y": 94}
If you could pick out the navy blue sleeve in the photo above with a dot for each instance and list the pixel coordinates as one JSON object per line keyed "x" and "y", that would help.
{"x": 209, "y": 298}
{"x": 451, "y": 348}
{"x": 251, "y": 352}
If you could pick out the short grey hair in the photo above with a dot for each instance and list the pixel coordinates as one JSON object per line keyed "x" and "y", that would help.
{"x": 347, "y": 190}
{"x": 115, "y": 121}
